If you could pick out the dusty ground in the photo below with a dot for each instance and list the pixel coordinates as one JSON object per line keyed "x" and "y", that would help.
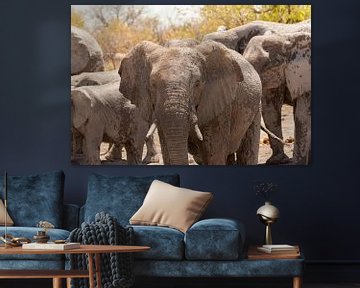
{"x": 264, "y": 149}
{"x": 288, "y": 135}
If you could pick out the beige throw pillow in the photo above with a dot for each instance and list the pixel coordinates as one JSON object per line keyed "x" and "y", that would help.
{"x": 170, "y": 206}
{"x": 9, "y": 221}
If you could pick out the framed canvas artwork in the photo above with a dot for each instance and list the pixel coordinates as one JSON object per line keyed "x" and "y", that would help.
{"x": 191, "y": 84}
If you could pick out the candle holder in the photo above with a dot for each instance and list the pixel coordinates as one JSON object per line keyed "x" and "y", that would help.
{"x": 42, "y": 236}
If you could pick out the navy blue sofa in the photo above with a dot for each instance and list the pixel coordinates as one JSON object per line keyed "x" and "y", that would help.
{"x": 32, "y": 199}
{"x": 210, "y": 248}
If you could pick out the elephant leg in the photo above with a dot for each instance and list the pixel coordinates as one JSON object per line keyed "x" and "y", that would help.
{"x": 231, "y": 159}
{"x": 92, "y": 147}
{"x": 212, "y": 150}
{"x": 302, "y": 119}
{"x": 77, "y": 145}
{"x": 115, "y": 152}
{"x": 134, "y": 152}
{"x": 151, "y": 154}
{"x": 248, "y": 151}
{"x": 272, "y": 102}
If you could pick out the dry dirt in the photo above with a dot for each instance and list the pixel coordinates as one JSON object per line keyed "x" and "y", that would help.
{"x": 264, "y": 149}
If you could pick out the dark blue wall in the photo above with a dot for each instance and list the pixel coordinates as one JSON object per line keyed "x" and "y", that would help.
{"x": 318, "y": 203}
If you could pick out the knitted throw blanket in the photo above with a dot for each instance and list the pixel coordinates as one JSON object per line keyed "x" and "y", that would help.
{"x": 116, "y": 268}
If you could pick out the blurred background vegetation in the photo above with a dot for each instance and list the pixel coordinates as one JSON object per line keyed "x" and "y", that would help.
{"x": 118, "y": 28}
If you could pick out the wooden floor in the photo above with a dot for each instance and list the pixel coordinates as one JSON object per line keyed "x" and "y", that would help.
{"x": 45, "y": 283}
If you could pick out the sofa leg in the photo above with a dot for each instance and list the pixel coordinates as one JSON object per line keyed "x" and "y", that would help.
{"x": 297, "y": 282}
{"x": 57, "y": 283}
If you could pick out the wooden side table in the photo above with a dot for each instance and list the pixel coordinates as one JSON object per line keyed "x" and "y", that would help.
{"x": 254, "y": 254}
{"x": 93, "y": 251}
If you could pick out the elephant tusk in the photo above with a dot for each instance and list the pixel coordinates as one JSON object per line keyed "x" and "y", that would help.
{"x": 151, "y": 130}
{"x": 198, "y": 132}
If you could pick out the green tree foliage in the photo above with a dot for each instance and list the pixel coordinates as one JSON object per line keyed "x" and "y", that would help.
{"x": 119, "y": 37}
{"x": 285, "y": 13}
{"x": 231, "y": 16}
{"x": 118, "y": 28}
{"x": 77, "y": 19}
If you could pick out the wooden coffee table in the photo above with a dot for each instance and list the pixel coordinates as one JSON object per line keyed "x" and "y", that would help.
{"x": 91, "y": 251}
{"x": 255, "y": 255}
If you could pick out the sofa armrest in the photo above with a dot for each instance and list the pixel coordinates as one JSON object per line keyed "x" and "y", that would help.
{"x": 71, "y": 216}
{"x": 215, "y": 239}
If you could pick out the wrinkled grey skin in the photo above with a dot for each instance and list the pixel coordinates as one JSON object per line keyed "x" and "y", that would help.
{"x": 284, "y": 63}
{"x": 102, "y": 113}
{"x": 86, "y": 53}
{"x": 238, "y": 38}
{"x": 94, "y": 78}
{"x": 206, "y": 86}
{"x": 115, "y": 150}
{"x": 181, "y": 43}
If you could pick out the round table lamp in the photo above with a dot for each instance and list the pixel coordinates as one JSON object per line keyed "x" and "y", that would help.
{"x": 268, "y": 214}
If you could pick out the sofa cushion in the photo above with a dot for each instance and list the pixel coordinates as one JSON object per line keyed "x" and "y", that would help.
{"x": 165, "y": 243}
{"x": 9, "y": 221}
{"x": 119, "y": 196}
{"x": 169, "y": 206}
{"x": 214, "y": 239}
{"x": 29, "y": 232}
{"x": 35, "y": 198}
{"x": 38, "y": 264}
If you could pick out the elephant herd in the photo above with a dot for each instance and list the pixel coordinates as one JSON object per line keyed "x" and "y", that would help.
{"x": 204, "y": 98}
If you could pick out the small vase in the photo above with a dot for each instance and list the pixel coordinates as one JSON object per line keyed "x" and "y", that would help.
{"x": 268, "y": 214}
{"x": 41, "y": 237}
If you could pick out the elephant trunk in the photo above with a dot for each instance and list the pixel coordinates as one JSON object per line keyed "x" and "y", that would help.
{"x": 174, "y": 145}
{"x": 173, "y": 126}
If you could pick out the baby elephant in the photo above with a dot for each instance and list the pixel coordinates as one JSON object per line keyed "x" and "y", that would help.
{"x": 102, "y": 113}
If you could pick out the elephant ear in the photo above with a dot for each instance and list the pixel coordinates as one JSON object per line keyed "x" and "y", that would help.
{"x": 277, "y": 47}
{"x": 222, "y": 75}
{"x": 135, "y": 70}
{"x": 81, "y": 106}
{"x": 266, "y": 51}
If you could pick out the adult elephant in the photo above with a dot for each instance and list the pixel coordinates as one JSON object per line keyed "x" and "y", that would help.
{"x": 203, "y": 99}
{"x": 101, "y": 113}
{"x": 284, "y": 62}
{"x": 238, "y": 38}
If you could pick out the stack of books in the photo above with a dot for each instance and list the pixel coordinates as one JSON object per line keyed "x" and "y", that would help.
{"x": 279, "y": 249}
{"x": 51, "y": 246}
{"x": 273, "y": 252}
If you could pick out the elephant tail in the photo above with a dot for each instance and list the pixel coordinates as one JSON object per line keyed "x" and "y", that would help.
{"x": 271, "y": 134}
{"x": 266, "y": 130}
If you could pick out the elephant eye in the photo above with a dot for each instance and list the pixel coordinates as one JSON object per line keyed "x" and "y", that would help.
{"x": 197, "y": 83}
{"x": 152, "y": 84}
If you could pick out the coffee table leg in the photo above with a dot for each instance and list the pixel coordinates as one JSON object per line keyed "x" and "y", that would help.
{"x": 57, "y": 283}
{"x": 297, "y": 282}
{"x": 68, "y": 282}
{"x": 91, "y": 270}
{"x": 98, "y": 270}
